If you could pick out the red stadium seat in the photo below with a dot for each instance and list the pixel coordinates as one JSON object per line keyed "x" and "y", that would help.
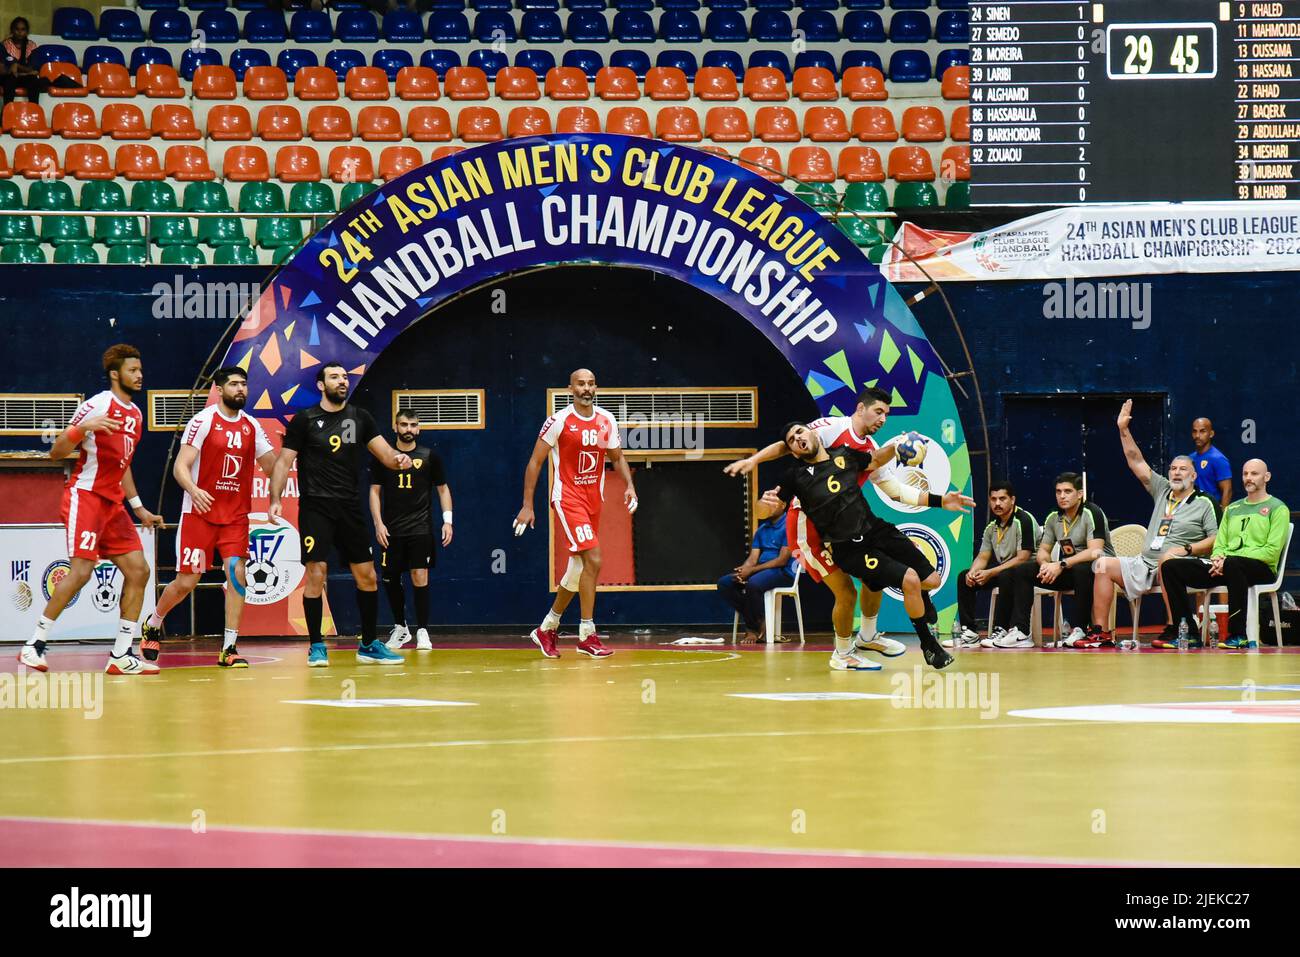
{"x": 428, "y": 124}
{"x": 628, "y": 120}
{"x": 351, "y": 164}
{"x": 956, "y": 83}
{"x": 777, "y": 124}
{"x": 265, "y": 83}
{"x": 765, "y": 83}
{"x": 394, "y": 161}
{"x": 716, "y": 151}
{"x": 158, "y": 80}
{"x": 279, "y": 123}
{"x": 517, "y": 83}
{"x": 187, "y": 164}
{"x": 329, "y": 124}
{"x": 728, "y": 124}
{"x": 34, "y": 160}
{"x": 815, "y": 83}
{"x": 316, "y": 83}
{"x": 74, "y": 121}
{"x": 88, "y": 161}
{"x": 874, "y": 124}
{"x": 417, "y": 83}
{"x": 567, "y": 83}
{"x": 52, "y": 71}
{"x": 229, "y": 121}
{"x": 109, "y": 79}
{"x": 138, "y": 161}
{"x": 172, "y": 121}
{"x": 297, "y": 164}
{"x": 955, "y": 163}
{"x": 666, "y": 83}
{"x": 124, "y": 121}
{"x": 678, "y": 124}
{"x": 444, "y": 151}
{"x": 214, "y": 82}
{"x": 528, "y": 121}
{"x": 617, "y": 83}
{"x": 825, "y": 124}
{"x": 577, "y": 119}
{"x": 860, "y": 164}
{"x": 478, "y": 124}
{"x": 923, "y": 124}
{"x": 244, "y": 164}
{"x": 961, "y": 124}
{"x": 910, "y": 164}
{"x": 811, "y": 164}
{"x": 465, "y": 83}
{"x": 863, "y": 83}
{"x": 764, "y": 161}
{"x": 381, "y": 124}
{"x": 366, "y": 83}
{"x": 25, "y": 120}
{"x": 716, "y": 83}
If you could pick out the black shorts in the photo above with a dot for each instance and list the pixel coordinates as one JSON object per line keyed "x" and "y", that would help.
{"x": 405, "y": 552}
{"x": 880, "y": 559}
{"x": 333, "y": 523}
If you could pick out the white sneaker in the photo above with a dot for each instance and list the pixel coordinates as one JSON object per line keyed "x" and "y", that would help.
{"x": 129, "y": 664}
{"x": 852, "y": 663}
{"x": 399, "y": 636}
{"x": 33, "y": 656}
{"x": 1015, "y": 638}
{"x": 422, "y": 642}
{"x": 880, "y": 645}
{"x": 1075, "y": 636}
{"x": 994, "y": 635}
{"x": 968, "y": 638}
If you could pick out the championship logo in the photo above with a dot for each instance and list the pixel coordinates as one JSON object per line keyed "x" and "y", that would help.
{"x": 104, "y": 590}
{"x": 22, "y": 593}
{"x": 54, "y": 573}
{"x": 932, "y": 546}
{"x": 274, "y": 566}
{"x": 931, "y": 472}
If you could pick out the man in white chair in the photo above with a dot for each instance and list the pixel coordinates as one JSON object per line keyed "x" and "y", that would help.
{"x": 768, "y": 566}
{"x": 1246, "y": 552}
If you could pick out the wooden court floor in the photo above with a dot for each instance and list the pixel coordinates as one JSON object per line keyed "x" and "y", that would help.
{"x": 483, "y": 752}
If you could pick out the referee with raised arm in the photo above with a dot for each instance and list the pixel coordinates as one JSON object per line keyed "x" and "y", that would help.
{"x": 326, "y": 440}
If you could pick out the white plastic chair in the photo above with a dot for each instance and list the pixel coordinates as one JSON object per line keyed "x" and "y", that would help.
{"x": 772, "y": 610}
{"x": 1253, "y": 595}
{"x": 1128, "y": 541}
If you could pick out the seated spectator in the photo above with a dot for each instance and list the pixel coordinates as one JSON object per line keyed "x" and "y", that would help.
{"x": 1079, "y": 533}
{"x": 1008, "y": 541}
{"x": 1182, "y": 523}
{"x": 1246, "y": 552}
{"x": 768, "y": 566}
{"x": 1213, "y": 473}
{"x": 16, "y": 72}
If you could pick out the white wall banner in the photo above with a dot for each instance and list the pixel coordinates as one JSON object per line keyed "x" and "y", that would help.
{"x": 35, "y": 561}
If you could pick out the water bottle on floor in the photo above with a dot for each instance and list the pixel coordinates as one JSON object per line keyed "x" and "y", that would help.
{"x": 1182, "y": 635}
{"x": 1128, "y": 644}
{"x": 1214, "y": 632}
{"x": 956, "y": 633}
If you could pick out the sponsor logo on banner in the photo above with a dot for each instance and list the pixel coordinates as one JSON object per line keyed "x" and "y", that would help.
{"x": 932, "y": 475}
{"x": 274, "y": 566}
{"x": 105, "y": 591}
{"x": 22, "y": 591}
{"x": 932, "y": 546}
{"x": 54, "y": 573}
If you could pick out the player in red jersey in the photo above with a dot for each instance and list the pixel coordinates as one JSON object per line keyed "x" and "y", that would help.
{"x": 107, "y": 428}
{"x": 215, "y": 469}
{"x": 576, "y": 439}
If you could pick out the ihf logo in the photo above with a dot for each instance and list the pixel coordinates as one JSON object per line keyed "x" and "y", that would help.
{"x": 19, "y": 572}
{"x": 274, "y": 562}
{"x": 105, "y": 591}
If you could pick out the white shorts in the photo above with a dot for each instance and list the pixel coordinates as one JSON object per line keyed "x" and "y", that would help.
{"x": 1139, "y": 577}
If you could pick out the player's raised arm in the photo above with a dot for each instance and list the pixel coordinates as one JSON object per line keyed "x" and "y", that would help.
{"x": 887, "y": 482}
{"x": 621, "y": 467}
{"x": 1136, "y": 463}
{"x": 746, "y": 465}
{"x": 525, "y": 518}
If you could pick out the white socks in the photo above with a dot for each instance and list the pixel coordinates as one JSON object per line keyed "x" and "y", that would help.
{"x": 586, "y": 628}
{"x": 42, "y": 632}
{"x": 126, "y": 635}
{"x": 155, "y": 619}
{"x": 867, "y": 630}
{"x": 551, "y": 621}
{"x": 844, "y": 646}
{"x": 228, "y": 637}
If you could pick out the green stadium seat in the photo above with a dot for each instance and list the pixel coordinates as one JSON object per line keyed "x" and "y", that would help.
{"x": 958, "y": 195}
{"x": 267, "y": 197}
{"x": 877, "y": 253}
{"x": 866, "y": 198}
{"x": 217, "y": 231}
{"x": 77, "y": 253}
{"x": 111, "y": 230}
{"x": 14, "y": 229}
{"x": 820, "y": 196}
{"x": 127, "y": 255}
{"x": 312, "y": 198}
{"x": 205, "y": 197}
{"x": 913, "y": 195}
{"x": 283, "y": 254}
{"x": 861, "y": 231}
{"x": 156, "y": 197}
{"x": 56, "y": 230}
{"x": 181, "y": 254}
{"x": 234, "y": 256}
{"x": 353, "y": 192}
{"x": 279, "y": 233}
{"x": 22, "y": 253}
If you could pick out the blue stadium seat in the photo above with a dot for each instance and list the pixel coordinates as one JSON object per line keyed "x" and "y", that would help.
{"x": 440, "y": 61}
{"x": 819, "y": 58}
{"x": 219, "y": 26}
{"x": 360, "y": 26}
{"x": 292, "y": 59}
{"x": 121, "y": 26}
{"x": 679, "y": 4}
{"x": 540, "y": 5}
{"x": 493, "y": 5}
{"x": 244, "y": 57}
{"x": 588, "y": 61}
{"x": 402, "y": 26}
{"x": 192, "y": 59}
{"x": 634, "y": 6}
{"x": 910, "y": 4}
{"x": 206, "y": 4}
{"x": 265, "y": 26}
{"x": 98, "y": 53}
{"x": 729, "y": 59}
{"x": 773, "y": 58}
{"x": 52, "y": 53}
{"x": 633, "y": 26}
{"x": 771, "y": 26}
{"x": 683, "y": 60}
{"x": 909, "y": 66}
{"x": 74, "y": 23}
{"x": 726, "y": 26}
{"x": 493, "y": 26}
{"x": 909, "y": 26}
{"x": 588, "y": 26}
{"x": 311, "y": 26}
{"x": 638, "y": 61}
{"x": 818, "y": 26}
{"x": 864, "y": 26}
{"x": 861, "y": 58}
{"x": 450, "y": 6}
{"x": 953, "y": 5}
{"x": 949, "y": 58}
{"x": 170, "y": 26}
{"x": 952, "y": 27}
{"x": 247, "y": 5}
{"x": 725, "y": 4}
{"x": 542, "y": 26}
{"x": 390, "y": 61}
{"x": 680, "y": 26}
{"x": 864, "y": 4}
{"x": 489, "y": 61}
{"x": 773, "y": 5}
{"x": 448, "y": 27}
{"x": 584, "y": 4}
{"x": 141, "y": 56}
{"x": 539, "y": 61}
{"x": 820, "y": 4}
{"x": 158, "y": 4}
{"x": 342, "y": 59}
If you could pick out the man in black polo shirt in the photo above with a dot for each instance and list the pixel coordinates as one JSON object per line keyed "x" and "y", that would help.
{"x": 327, "y": 440}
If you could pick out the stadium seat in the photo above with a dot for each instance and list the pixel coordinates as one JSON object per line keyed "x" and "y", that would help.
{"x": 866, "y": 196}
{"x": 588, "y": 27}
{"x": 764, "y": 161}
{"x": 909, "y": 66}
{"x": 494, "y": 27}
{"x": 191, "y": 60}
{"x": 72, "y": 121}
{"x": 111, "y": 230}
{"x": 960, "y": 129}
{"x": 266, "y": 83}
{"x": 874, "y": 124}
{"x": 121, "y": 26}
{"x": 528, "y": 121}
{"x": 775, "y": 59}
{"x": 909, "y": 26}
{"x": 14, "y": 229}
{"x": 633, "y": 26}
{"x": 221, "y": 232}
{"x": 577, "y": 119}
{"x": 128, "y": 255}
{"x": 727, "y": 124}
{"x": 949, "y": 58}
{"x": 312, "y": 198}
{"x": 380, "y": 124}
{"x": 666, "y": 83}
{"x": 764, "y": 83}
{"x": 476, "y": 124}
{"x": 910, "y": 164}
{"x": 219, "y": 26}
{"x": 171, "y": 121}
{"x": 517, "y": 83}
{"x": 633, "y": 5}
{"x": 678, "y": 124}
{"x": 279, "y": 123}
{"x": 360, "y": 26}
{"x": 954, "y": 165}
{"x": 540, "y": 62}
{"x": 316, "y": 83}
{"x": 489, "y": 61}
{"x": 952, "y": 26}
{"x": 265, "y": 26}
{"x": 170, "y": 26}
{"x": 825, "y": 124}
{"x": 271, "y": 233}
{"x": 777, "y": 124}
{"x": 366, "y": 83}
{"x": 245, "y": 57}
{"x": 680, "y": 26}
{"x": 214, "y": 82}
{"x": 448, "y": 27}
{"x": 290, "y": 60}
{"x": 138, "y": 161}
{"x": 617, "y": 83}
{"x": 465, "y": 83}
{"x": 396, "y": 161}
{"x": 638, "y": 61}
{"x": 811, "y": 164}
{"x": 682, "y": 60}
{"x": 814, "y": 189}
{"x": 727, "y": 60}
{"x": 863, "y": 83}
{"x": 52, "y": 53}
{"x": 342, "y": 60}
{"x": 428, "y": 124}
{"x": 124, "y": 121}
{"x": 923, "y": 124}
{"x": 958, "y": 196}
{"x": 22, "y": 253}
{"x": 628, "y": 120}
{"x": 566, "y": 83}
{"x": 187, "y": 163}
{"x": 819, "y": 58}
{"x": 52, "y": 71}
{"x": 25, "y": 120}
{"x": 541, "y": 26}
{"x": 327, "y": 124}
{"x": 109, "y": 79}
{"x": 229, "y": 121}
{"x": 771, "y": 26}
{"x": 6, "y": 171}
{"x": 716, "y": 83}
{"x": 36, "y": 160}
{"x": 400, "y": 26}
{"x": 392, "y": 62}
{"x": 864, "y": 26}
{"x": 159, "y": 81}
{"x": 956, "y": 83}
{"x": 141, "y": 56}
{"x": 815, "y": 83}
{"x": 298, "y": 164}
{"x": 351, "y": 164}
{"x": 87, "y": 161}
{"x": 182, "y": 255}
{"x": 860, "y": 164}
{"x": 74, "y": 23}
{"x": 911, "y": 195}
{"x": 818, "y": 26}
{"x": 588, "y": 61}
{"x": 772, "y": 4}
{"x": 245, "y": 163}
{"x": 444, "y": 151}
{"x": 852, "y": 58}
{"x": 97, "y": 53}
{"x": 726, "y": 26}
{"x": 417, "y": 83}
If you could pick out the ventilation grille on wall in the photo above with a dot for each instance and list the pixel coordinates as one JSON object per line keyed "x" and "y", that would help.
{"x": 171, "y": 409}
{"x": 443, "y": 408}
{"x": 36, "y": 414}
{"x": 707, "y": 406}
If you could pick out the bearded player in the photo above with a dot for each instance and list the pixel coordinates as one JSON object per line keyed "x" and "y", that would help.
{"x": 106, "y": 428}
{"x": 576, "y": 439}
{"x": 215, "y": 469}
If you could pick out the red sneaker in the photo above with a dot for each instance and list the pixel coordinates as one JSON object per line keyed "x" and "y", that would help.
{"x": 545, "y": 640}
{"x": 592, "y": 648}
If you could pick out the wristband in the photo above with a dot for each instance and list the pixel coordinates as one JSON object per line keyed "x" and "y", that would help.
{"x": 446, "y": 517}
{"x": 134, "y": 502}
{"x": 75, "y": 435}
{"x": 936, "y": 501}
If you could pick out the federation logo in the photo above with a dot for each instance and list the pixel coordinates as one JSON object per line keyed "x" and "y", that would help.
{"x": 274, "y": 566}
{"x": 18, "y": 575}
{"x": 932, "y": 473}
{"x": 104, "y": 591}
{"x": 932, "y": 546}
{"x": 54, "y": 573}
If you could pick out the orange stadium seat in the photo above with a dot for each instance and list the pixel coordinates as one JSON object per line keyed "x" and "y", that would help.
{"x": 351, "y": 164}
{"x": 172, "y": 121}
{"x": 417, "y": 83}
{"x": 243, "y": 164}
{"x": 397, "y": 160}
{"x": 229, "y": 121}
{"x": 666, "y": 83}
{"x": 764, "y": 161}
{"x": 874, "y": 124}
{"x": 617, "y": 83}
{"x": 777, "y": 124}
{"x": 428, "y": 124}
{"x": 567, "y": 83}
{"x": 25, "y": 120}
{"x": 328, "y": 124}
{"x": 316, "y": 83}
{"x": 74, "y": 121}
{"x": 863, "y": 83}
{"x": 124, "y": 121}
{"x": 716, "y": 151}
{"x": 366, "y": 83}
{"x": 279, "y": 123}
{"x": 923, "y": 124}
{"x": 52, "y": 71}
{"x": 214, "y": 82}
{"x": 6, "y": 171}
{"x": 815, "y": 83}
{"x": 137, "y": 161}
{"x": 265, "y": 83}
{"x": 380, "y": 124}
{"x": 728, "y": 124}
{"x": 860, "y": 164}
{"x": 765, "y": 83}
{"x": 465, "y": 83}
{"x": 88, "y": 161}
{"x": 158, "y": 80}
{"x": 678, "y": 124}
{"x": 109, "y": 79}
{"x": 825, "y": 124}
{"x": 961, "y": 124}
{"x": 36, "y": 160}
{"x": 528, "y": 121}
{"x": 442, "y": 151}
{"x": 628, "y": 120}
{"x": 910, "y": 164}
{"x": 477, "y": 124}
{"x": 716, "y": 83}
{"x": 517, "y": 83}
{"x": 188, "y": 163}
{"x": 577, "y": 119}
{"x": 297, "y": 164}
{"x": 955, "y": 163}
{"x": 956, "y": 83}
{"x": 811, "y": 164}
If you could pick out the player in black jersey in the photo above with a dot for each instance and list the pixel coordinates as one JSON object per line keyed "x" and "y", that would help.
{"x": 865, "y": 546}
{"x": 400, "y": 507}
{"x": 326, "y": 440}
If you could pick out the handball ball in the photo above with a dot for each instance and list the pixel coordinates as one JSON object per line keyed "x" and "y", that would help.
{"x": 911, "y": 448}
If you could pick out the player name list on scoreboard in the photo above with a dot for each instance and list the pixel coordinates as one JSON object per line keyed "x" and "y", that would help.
{"x": 1266, "y": 80}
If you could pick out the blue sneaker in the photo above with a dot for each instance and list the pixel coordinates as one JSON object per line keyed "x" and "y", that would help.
{"x": 318, "y": 655}
{"x": 1239, "y": 642}
{"x": 377, "y": 653}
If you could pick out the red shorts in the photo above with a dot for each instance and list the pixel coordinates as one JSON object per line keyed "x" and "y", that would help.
{"x": 97, "y": 528}
{"x": 198, "y": 542}
{"x": 578, "y": 520}
{"x": 806, "y": 544}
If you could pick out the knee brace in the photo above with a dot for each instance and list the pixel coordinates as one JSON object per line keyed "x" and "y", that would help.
{"x": 571, "y": 574}
{"x": 231, "y": 565}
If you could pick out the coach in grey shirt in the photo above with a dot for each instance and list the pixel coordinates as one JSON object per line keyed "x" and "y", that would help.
{"x": 1008, "y": 541}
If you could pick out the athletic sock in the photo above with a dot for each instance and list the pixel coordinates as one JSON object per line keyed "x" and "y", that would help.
{"x": 313, "y": 609}
{"x": 844, "y": 646}
{"x": 867, "y": 630}
{"x": 154, "y": 620}
{"x": 368, "y": 603}
{"x": 421, "y": 605}
{"x": 229, "y": 637}
{"x": 923, "y": 632}
{"x": 586, "y": 628}
{"x": 931, "y": 613}
{"x": 125, "y": 637}
{"x": 396, "y": 598}
{"x": 42, "y": 632}
{"x": 551, "y": 621}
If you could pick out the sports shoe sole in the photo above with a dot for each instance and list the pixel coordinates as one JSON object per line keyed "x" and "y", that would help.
{"x": 902, "y": 649}
{"x": 233, "y": 664}
{"x": 113, "y": 669}
{"x": 324, "y": 663}
{"x": 595, "y": 654}
{"x": 35, "y": 667}
{"x": 424, "y": 647}
{"x": 538, "y": 643}
{"x": 866, "y": 665}
{"x": 1018, "y": 644}
{"x": 367, "y": 660}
